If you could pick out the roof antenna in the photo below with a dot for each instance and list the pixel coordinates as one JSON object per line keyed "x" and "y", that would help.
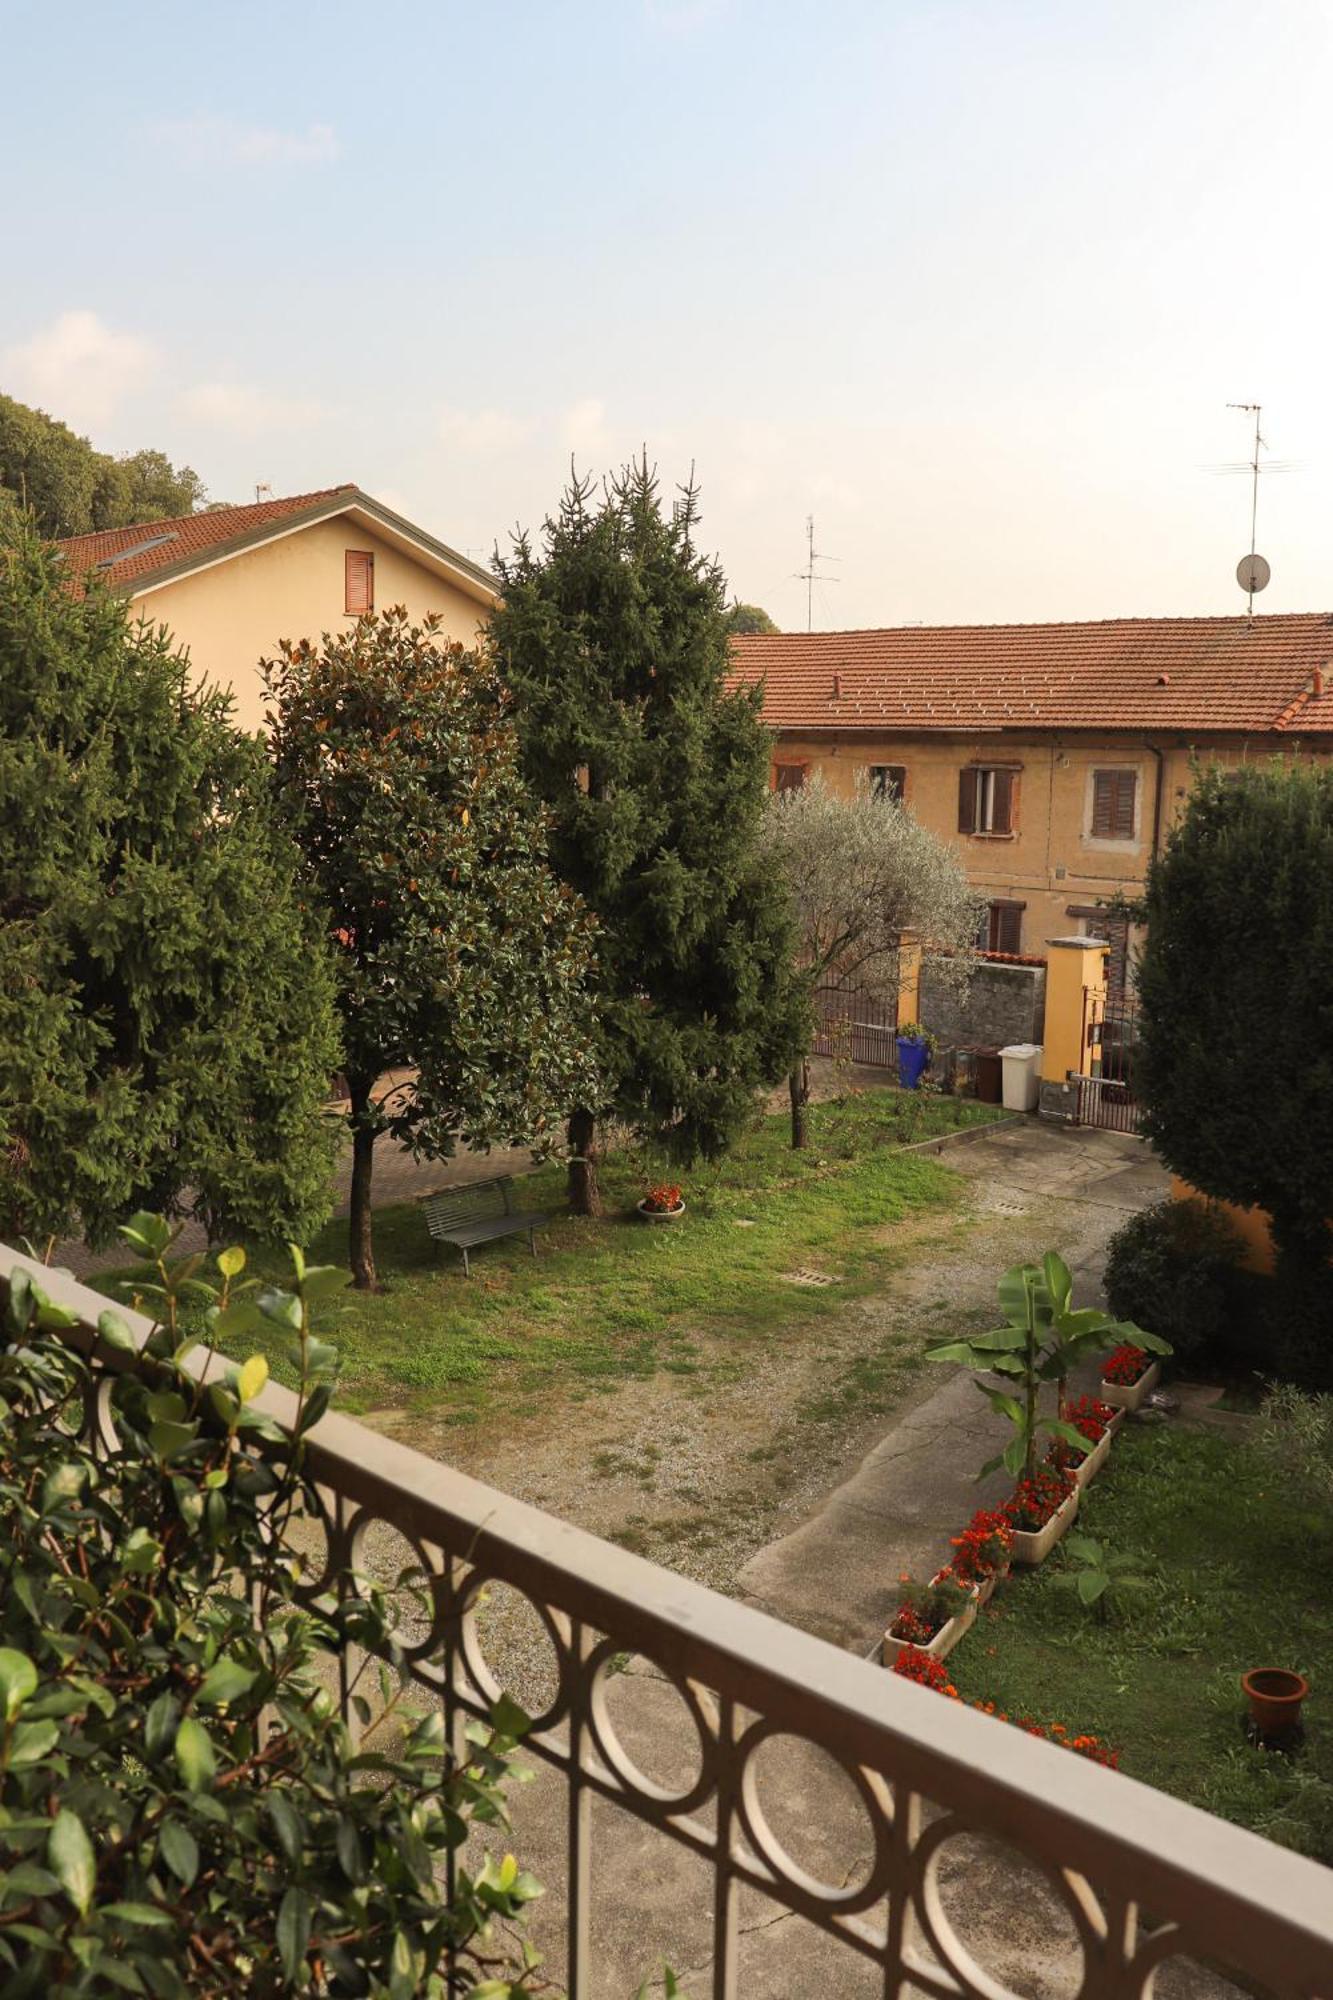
{"x": 264, "y": 492}
{"x": 809, "y": 575}
{"x": 1252, "y": 572}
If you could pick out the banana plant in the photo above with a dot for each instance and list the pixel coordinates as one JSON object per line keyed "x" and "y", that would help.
{"x": 1042, "y": 1339}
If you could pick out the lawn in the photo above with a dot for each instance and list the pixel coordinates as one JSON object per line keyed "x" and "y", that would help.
{"x": 1239, "y": 1579}
{"x": 616, "y": 1297}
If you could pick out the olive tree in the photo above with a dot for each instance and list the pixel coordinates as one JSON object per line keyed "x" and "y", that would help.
{"x": 862, "y": 873}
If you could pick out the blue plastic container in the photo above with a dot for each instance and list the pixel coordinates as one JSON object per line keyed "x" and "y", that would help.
{"x": 913, "y": 1061}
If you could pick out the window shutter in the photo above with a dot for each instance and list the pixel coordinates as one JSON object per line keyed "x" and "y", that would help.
{"x": 359, "y": 583}
{"x": 788, "y": 777}
{"x": 1103, "y": 803}
{"x": 967, "y": 801}
{"x": 1122, "y": 813}
{"x": 1002, "y": 813}
{"x": 1007, "y": 927}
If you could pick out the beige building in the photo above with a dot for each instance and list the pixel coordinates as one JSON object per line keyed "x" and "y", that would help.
{"x": 232, "y": 583}
{"x": 1053, "y": 757}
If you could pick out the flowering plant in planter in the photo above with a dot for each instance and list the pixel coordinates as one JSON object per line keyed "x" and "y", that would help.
{"x": 925, "y": 1670}
{"x": 1037, "y": 1497}
{"x": 1126, "y": 1365}
{"x": 917, "y": 1666}
{"x": 925, "y": 1608}
{"x": 982, "y": 1550}
{"x": 1090, "y": 1417}
{"x": 664, "y": 1199}
{"x": 912, "y": 1031}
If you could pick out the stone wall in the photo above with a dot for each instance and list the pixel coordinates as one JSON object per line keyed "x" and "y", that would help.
{"x": 999, "y": 1004}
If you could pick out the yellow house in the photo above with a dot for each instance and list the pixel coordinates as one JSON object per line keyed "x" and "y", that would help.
{"x": 1053, "y": 757}
{"x": 231, "y": 583}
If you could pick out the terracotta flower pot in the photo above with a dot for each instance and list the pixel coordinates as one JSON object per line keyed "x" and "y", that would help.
{"x": 1275, "y": 1695}
{"x": 661, "y": 1214}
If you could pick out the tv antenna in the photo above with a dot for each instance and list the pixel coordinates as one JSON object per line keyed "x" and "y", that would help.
{"x": 263, "y": 491}
{"x": 1252, "y": 571}
{"x": 810, "y": 576}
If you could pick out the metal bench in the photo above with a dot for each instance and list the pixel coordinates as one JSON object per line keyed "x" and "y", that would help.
{"x": 478, "y": 1212}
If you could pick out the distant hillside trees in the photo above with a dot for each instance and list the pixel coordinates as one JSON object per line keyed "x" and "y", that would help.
{"x": 70, "y": 488}
{"x": 748, "y": 618}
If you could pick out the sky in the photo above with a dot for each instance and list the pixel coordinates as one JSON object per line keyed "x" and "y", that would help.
{"x": 972, "y": 284}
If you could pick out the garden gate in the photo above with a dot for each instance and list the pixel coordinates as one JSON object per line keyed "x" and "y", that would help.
{"x": 852, "y": 1027}
{"x": 1106, "y": 1094}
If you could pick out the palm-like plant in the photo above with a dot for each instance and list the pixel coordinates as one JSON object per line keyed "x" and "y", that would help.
{"x": 1041, "y": 1341}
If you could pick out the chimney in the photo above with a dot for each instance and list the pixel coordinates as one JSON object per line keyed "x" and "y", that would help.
{"x": 1317, "y": 681}
{"x": 837, "y": 688}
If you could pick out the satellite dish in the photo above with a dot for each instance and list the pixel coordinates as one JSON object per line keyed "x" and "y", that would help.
{"x": 1252, "y": 573}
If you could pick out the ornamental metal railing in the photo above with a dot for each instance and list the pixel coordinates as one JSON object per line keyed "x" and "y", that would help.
{"x": 1141, "y": 1891}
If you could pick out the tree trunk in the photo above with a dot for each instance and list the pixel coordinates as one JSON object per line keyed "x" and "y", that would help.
{"x": 360, "y": 1220}
{"x": 798, "y": 1086}
{"x": 585, "y": 1196}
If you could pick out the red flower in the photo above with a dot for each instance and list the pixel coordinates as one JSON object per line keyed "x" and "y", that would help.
{"x": 925, "y": 1670}
{"x": 984, "y": 1545}
{"x": 1125, "y": 1365}
{"x": 662, "y": 1199}
{"x": 1036, "y": 1499}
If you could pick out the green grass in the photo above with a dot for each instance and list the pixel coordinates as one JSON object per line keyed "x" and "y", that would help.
{"x": 1240, "y": 1580}
{"x": 612, "y": 1298}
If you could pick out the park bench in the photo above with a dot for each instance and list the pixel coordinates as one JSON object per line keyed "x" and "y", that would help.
{"x": 478, "y": 1212}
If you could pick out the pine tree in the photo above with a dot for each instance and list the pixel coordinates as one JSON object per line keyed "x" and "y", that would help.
{"x": 166, "y": 1016}
{"x": 613, "y": 637}
{"x": 460, "y": 956}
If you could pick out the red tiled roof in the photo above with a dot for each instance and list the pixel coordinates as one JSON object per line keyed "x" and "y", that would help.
{"x": 182, "y": 537}
{"x": 1194, "y": 674}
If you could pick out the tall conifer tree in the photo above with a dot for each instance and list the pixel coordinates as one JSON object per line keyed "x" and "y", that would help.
{"x": 613, "y": 638}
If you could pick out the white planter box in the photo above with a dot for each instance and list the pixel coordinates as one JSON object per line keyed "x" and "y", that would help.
{"x": 1128, "y": 1396}
{"x": 942, "y": 1644}
{"x": 1087, "y": 1468}
{"x": 1031, "y": 1548}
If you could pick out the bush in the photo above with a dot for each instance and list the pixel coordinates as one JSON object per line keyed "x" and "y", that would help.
{"x": 1292, "y": 1337}
{"x": 1295, "y": 1440}
{"x": 1174, "y": 1269}
{"x": 182, "y": 1810}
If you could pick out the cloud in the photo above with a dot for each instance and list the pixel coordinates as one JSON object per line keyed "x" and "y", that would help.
{"x": 78, "y": 368}
{"x": 207, "y": 140}
{"x": 585, "y": 429}
{"x": 480, "y": 433}
{"x": 237, "y": 407}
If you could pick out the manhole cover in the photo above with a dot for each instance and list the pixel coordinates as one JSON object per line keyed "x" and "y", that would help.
{"x": 809, "y": 1278}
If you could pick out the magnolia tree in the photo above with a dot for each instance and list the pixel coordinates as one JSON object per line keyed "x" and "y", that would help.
{"x": 461, "y": 958}
{"x": 862, "y": 873}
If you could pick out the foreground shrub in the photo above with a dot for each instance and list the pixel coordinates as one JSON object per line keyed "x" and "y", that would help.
{"x": 1295, "y": 1438}
{"x": 182, "y": 1810}
{"x": 1173, "y": 1267}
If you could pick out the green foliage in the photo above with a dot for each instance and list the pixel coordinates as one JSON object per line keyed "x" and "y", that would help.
{"x": 1295, "y": 1443}
{"x": 71, "y": 489}
{"x": 1103, "y": 1579}
{"x": 613, "y": 638}
{"x": 748, "y": 618}
{"x": 166, "y": 1006}
{"x": 181, "y": 1807}
{"x": 1236, "y": 985}
{"x": 1042, "y": 1339}
{"x": 1174, "y": 1267}
{"x": 459, "y": 953}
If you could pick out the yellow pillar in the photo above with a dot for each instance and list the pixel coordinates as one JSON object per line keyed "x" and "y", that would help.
{"x": 909, "y": 979}
{"x": 1075, "y": 970}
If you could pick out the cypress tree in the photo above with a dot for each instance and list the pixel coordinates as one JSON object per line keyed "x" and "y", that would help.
{"x": 613, "y": 638}
{"x": 166, "y": 999}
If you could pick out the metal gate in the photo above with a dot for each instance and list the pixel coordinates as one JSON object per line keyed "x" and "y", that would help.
{"x": 852, "y": 1027}
{"x": 1110, "y": 1048}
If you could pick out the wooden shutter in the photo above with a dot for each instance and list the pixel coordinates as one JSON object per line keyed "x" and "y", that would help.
{"x": 1007, "y": 927}
{"x": 359, "y": 583}
{"x": 1002, "y": 811}
{"x": 788, "y": 777}
{"x": 967, "y": 801}
{"x": 1113, "y": 798}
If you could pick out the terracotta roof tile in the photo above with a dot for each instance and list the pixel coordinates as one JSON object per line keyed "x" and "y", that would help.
{"x": 1193, "y": 674}
{"x": 122, "y": 554}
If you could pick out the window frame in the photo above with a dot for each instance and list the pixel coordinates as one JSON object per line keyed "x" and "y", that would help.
{"x": 978, "y": 792}
{"x": 366, "y": 556}
{"x": 1117, "y": 773}
{"x": 784, "y": 764}
{"x": 1002, "y": 907}
{"x": 876, "y": 775}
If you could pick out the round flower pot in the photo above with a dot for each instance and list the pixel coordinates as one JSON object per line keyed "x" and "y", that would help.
{"x": 1128, "y": 1396}
{"x": 913, "y": 1061}
{"x": 1033, "y": 1545}
{"x": 1275, "y": 1695}
{"x": 661, "y": 1214}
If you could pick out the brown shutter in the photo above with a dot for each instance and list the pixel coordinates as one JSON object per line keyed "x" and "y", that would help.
{"x": 788, "y": 777}
{"x": 1122, "y": 813}
{"x": 1008, "y": 926}
{"x": 359, "y": 583}
{"x": 1002, "y": 815}
{"x": 967, "y": 801}
{"x": 1103, "y": 803}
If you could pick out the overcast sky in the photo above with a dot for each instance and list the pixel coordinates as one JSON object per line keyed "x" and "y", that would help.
{"x": 971, "y": 283}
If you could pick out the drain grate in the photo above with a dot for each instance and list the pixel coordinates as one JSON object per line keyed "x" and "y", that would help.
{"x": 810, "y": 1278}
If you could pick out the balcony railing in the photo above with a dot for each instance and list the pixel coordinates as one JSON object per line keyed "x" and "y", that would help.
{"x": 1136, "y": 1880}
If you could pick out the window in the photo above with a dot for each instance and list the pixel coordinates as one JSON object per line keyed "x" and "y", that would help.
{"x": 1098, "y": 923}
{"x": 788, "y": 777}
{"x": 987, "y": 799}
{"x": 1114, "y": 796}
{"x": 888, "y": 781}
{"x": 358, "y": 582}
{"x": 1002, "y": 928}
